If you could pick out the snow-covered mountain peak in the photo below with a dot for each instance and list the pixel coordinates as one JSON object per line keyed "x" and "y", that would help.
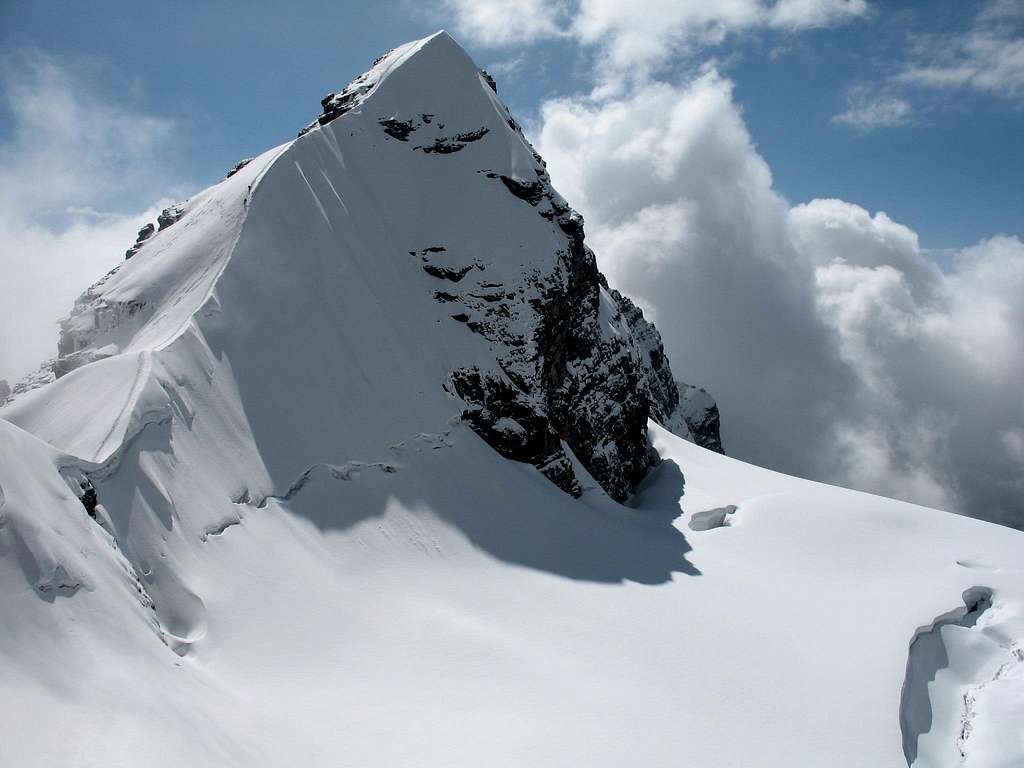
{"x": 410, "y": 237}
{"x": 428, "y": 82}
{"x": 303, "y": 491}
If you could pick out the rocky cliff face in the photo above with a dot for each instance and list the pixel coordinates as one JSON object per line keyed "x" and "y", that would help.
{"x": 700, "y": 412}
{"x": 684, "y": 409}
{"x": 569, "y": 371}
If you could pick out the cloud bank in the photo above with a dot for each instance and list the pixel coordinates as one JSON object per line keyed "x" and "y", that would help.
{"x": 633, "y": 39}
{"x": 69, "y": 149}
{"x": 837, "y": 350}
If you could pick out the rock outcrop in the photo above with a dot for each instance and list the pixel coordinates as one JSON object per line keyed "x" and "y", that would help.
{"x": 144, "y": 234}
{"x": 700, "y": 412}
{"x": 173, "y": 213}
{"x": 681, "y": 408}
{"x": 570, "y": 372}
{"x": 236, "y": 168}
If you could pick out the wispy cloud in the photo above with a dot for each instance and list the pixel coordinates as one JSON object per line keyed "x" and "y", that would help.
{"x": 70, "y": 149}
{"x": 636, "y": 38}
{"x": 867, "y": 111}
{"x": 988, "y": 57}
{"x": 507, "y": 67}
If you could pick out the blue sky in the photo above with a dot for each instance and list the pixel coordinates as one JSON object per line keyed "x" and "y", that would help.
{"x": 237, "y": 78}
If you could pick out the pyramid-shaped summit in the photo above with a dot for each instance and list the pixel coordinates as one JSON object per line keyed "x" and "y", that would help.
{"x": 431, "y": 73}
{"x": 404, "y": 263}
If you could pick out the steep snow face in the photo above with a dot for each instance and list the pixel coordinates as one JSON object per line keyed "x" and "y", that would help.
{"x": 543, "y": 354}
{"x": 410, "y": 257}
{"x": 292, "y": 544}
{"x": 146, "y": 303}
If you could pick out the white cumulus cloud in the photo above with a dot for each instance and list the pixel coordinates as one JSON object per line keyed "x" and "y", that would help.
{"x": 836, "y": 349}
{"x": 507, "y": 22}
{"x": 866, "y": 112}
{"x": 636, "y": 37}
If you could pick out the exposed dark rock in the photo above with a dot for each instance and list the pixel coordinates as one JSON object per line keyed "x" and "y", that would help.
{"x": 532, "y": 191}
{"x": 489, "y": 80}
{"x": 442, "y": 147}
{"x": 88, "y": 498}
{"x": 576, "y": 371}
{"x": 447, "y": 273}
{"x": 592, "y": 380}
{"x": 700, "y": 412}
{"x": 564, "y": 379}
{"x": 688, "y": 411}
{"x": 398, "y": 129}
{"x": 471, "y": 136}
{"x": 661, "y": 387}
{"x": 172, "y": 214}
{"x": 505, "y": 418}
{"x": 435, "y": 268}
{"x": 445, "y": 145}
{"x": 144, "y": 234}
{"x": 234, "y": 169}
{"x": 380, "y": 58}
{"x": 337, "y": 104}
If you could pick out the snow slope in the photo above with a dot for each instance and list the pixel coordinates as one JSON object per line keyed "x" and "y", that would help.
{"x": 307, "y": 552}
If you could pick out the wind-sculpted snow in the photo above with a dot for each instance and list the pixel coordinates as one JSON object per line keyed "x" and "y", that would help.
{"x": 711, "y": 518}
{"x": 266, "y": 516}
{"x": 927, "y": 656}
{"x": 436, "y": 262}
{"x": 965, "y": 675}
